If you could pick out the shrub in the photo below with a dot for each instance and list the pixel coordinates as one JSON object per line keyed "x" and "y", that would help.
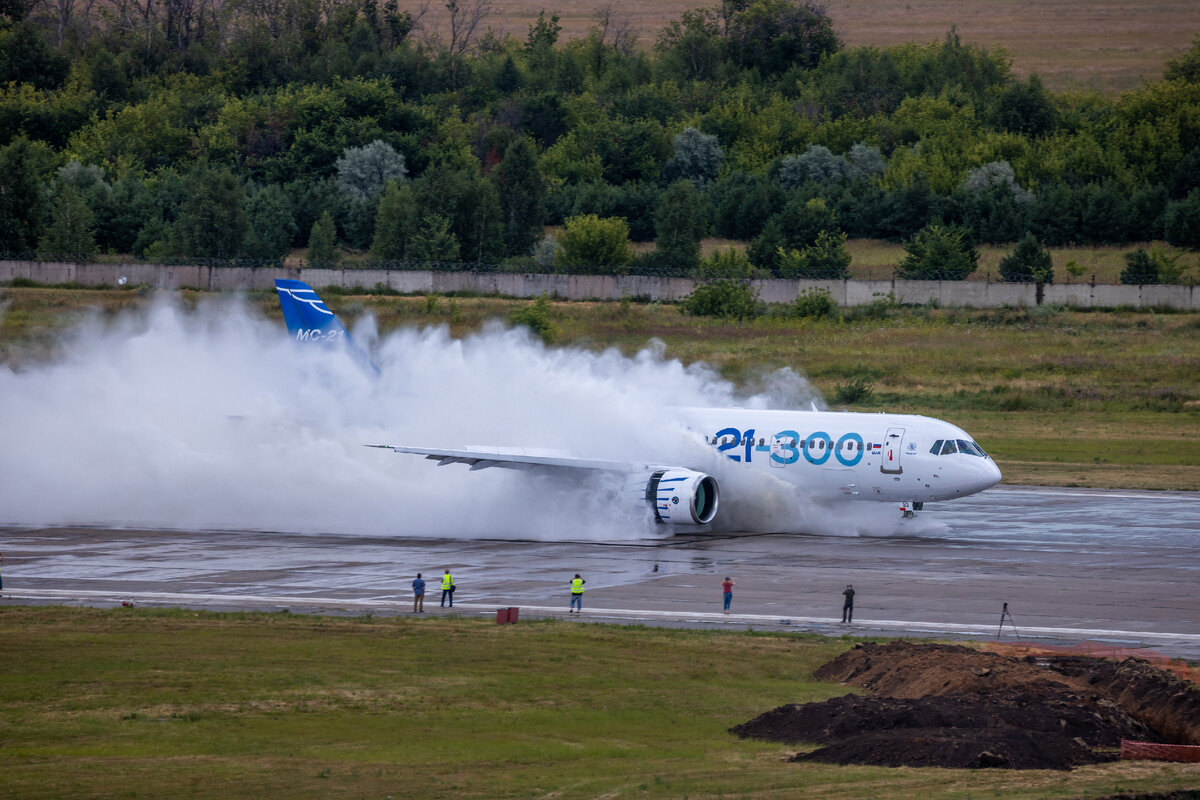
{"x": 728, "y": 263}
{"x": 536, "y": 317}
{"x": 938, "y": 252}
{"x": 592, "y": 244}
{"x": 1029, "y": 262}
{"x": 815, "y": 303}
{"x": 825, "y": 259}
{"x": 1140, "y": 268}
{"x": 855, "y": 390}
{"x": 723, "y": 298}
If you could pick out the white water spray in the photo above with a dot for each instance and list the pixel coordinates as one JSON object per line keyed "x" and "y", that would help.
{"x": 214, "y": 419}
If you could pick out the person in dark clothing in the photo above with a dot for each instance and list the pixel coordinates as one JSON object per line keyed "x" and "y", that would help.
{"x": 419, "y": 595}
{"x": 848, "y": 605}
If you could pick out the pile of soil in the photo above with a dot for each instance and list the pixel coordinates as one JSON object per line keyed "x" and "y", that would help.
{"x": 950, "y": 706}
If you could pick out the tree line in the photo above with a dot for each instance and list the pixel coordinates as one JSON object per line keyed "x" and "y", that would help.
{"x": 185, "y": 129}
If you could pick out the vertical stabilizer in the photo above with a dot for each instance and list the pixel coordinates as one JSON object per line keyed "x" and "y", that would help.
{"x": 310, "y": 320}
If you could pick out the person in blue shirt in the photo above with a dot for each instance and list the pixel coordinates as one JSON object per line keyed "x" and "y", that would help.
{"x": 419, "y": 595}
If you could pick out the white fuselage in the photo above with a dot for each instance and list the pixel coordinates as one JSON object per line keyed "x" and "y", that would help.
{"x": 852, "y": 456}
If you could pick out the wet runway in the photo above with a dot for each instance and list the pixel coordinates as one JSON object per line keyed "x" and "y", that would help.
{"x": 1117, "y": 567}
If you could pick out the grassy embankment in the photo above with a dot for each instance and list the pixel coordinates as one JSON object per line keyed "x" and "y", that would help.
{"x": 154, "y": 703}
{"x": 1107, "y": 399}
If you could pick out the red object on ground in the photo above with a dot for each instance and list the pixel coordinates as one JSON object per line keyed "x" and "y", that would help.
{"x": 513, "y": 613}
{"x": 507, "y": 615}
{"x": 1160, "y": 752}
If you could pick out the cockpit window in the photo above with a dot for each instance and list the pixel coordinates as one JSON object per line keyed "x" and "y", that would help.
{"x": 949, "y": 447}
{"x": 937, "y": 447}
{"x": 970, "y": 448}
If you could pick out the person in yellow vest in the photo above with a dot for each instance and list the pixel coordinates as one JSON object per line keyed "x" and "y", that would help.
{"x": 447, "y": 589}
{"x": 576, "y": 594}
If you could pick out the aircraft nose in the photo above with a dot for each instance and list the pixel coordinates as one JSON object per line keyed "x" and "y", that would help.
{"x": 988, "y": 476}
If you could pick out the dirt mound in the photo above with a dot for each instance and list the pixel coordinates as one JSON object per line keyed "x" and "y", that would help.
{"x": 950, "y": 706}
{"x": 1067, "y": 717}
{"x": 904, "y": 669}
{"x": 958, "y": 748}
{"x": 1161, "y": 699}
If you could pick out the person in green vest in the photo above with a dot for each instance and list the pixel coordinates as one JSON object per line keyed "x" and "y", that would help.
{"x": 447, "y": 589}
{"x": 576, "y": 594}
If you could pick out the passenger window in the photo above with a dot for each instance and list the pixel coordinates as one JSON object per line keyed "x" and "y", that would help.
{"x": 860, "y": 446}
{"x": 949, "y": 448}
{"x": 937, "y": 447}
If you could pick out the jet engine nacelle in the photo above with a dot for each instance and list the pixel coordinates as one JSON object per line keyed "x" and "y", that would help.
{"x": 679, "y": 496}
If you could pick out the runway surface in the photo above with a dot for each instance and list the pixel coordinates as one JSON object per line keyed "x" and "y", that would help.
{"x": 1121, "y": 568}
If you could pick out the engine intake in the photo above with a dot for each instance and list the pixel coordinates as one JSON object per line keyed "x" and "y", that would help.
{"x": 682, "y": 497}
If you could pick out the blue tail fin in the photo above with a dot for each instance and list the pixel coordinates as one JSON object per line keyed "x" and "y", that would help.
{"x": 310, "y": 320}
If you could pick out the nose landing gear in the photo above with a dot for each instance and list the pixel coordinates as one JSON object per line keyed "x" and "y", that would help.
{"x": 909, "y": 510}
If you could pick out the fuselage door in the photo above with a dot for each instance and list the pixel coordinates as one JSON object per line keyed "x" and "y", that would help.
{"x": 891, "y": 451}
{"x": 782, "y": 450}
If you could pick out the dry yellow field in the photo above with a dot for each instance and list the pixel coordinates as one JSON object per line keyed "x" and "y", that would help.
{"x": 1098, "y": 44}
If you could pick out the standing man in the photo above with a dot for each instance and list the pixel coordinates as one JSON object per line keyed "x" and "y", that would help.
{"x": 576, "y": 594}
{"x": 727, "y": 590}
{"x": 848, "y": 605}
{"x": 447, "y": 589}
{"x": 419, "y": 595}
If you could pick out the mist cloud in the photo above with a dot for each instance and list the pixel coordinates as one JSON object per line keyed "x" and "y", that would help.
{"x": 214, "y": 419}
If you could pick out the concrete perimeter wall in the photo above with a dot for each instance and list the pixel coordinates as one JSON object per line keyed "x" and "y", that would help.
{"x": 972, "y": 294}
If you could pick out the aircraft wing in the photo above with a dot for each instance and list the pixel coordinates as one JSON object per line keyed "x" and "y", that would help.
{"x": 479, "y": 458}
{"x": 676, "y": 495}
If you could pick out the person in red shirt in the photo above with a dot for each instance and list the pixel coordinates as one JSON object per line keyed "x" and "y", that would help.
{"x": 727, "y": 588}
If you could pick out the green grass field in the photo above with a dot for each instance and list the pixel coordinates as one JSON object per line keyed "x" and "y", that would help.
{"x": 1060, "y": 397}
{"x": 157, "y": 703}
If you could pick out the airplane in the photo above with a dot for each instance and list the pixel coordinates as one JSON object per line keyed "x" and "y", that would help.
{"x": 829, "y": 456}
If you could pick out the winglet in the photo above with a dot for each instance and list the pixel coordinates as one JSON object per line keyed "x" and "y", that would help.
{"x": 310, "y": 320}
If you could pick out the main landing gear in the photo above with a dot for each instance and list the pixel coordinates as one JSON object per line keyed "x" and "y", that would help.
{"x": 909, "y": 510}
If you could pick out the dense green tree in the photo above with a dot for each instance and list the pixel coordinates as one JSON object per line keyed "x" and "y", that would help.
{"x": 1187, "y": 66}
{"x": 817, "y": 163}
{"x": 696, "y": 158}
{"x": 1028, "y": 262}
{"x": 681, "y": 221}
{"x": 396, "y": 220}
{"x": 825, "y": 259}
{"x": 433, "y": 241}
{"x": 742, "y": 204}
{"x": 767, "y": 248}
{"x": 364, "y": 171}
{"x": 1140, "y": 268}
{"x": 592, "y": 244}
{"x": 471, "y": 204}
{"x": 1181, "y": 221}
{"x": 212, "y": 219}
{"x": 119, "y": 220}
{"x": 774, "y": 36}
{"x": 691, "y": 48}
{"x": 322, "y": 242}
{"x": 939, "y": 253}
{"x": 521, "y": 191}
{"x": 70, "y": 234}
{"x": 1024, "y": 107}
{"x": 22, "y": 195}
{"x": 270, "y": 222}
{"x": 25, "y": 57}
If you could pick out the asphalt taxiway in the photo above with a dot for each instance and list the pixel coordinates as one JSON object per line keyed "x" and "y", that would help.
{"x": 1120, "y": 568}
